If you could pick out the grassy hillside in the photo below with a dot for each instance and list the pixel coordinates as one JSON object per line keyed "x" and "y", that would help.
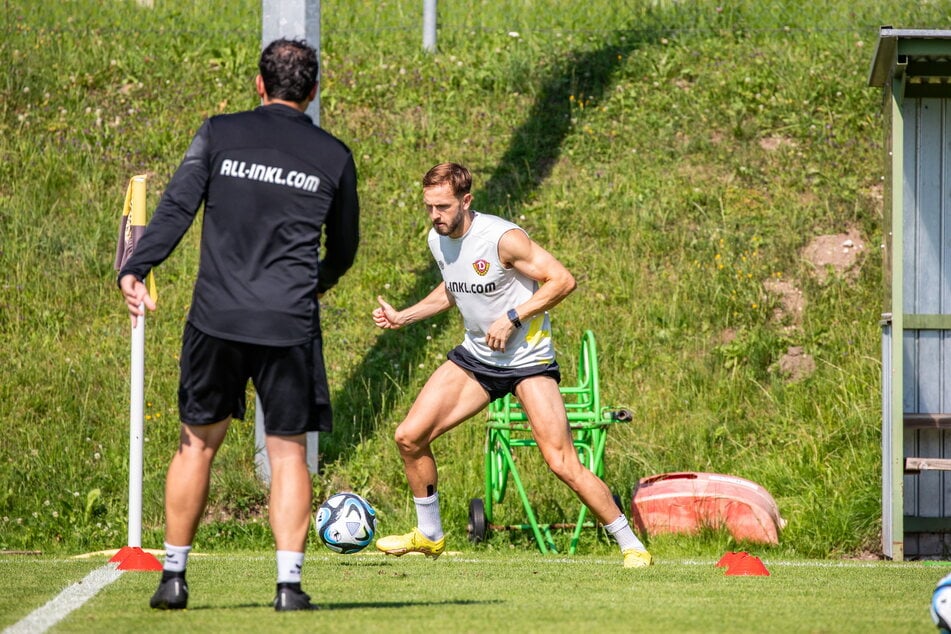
{"x": 678, "y": 157}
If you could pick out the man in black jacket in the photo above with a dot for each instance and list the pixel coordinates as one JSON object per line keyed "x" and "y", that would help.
{"x": 273, "y": 185}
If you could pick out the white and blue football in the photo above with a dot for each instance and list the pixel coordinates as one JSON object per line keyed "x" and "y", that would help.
{"x": 941, "y": 605}
{"x": 346, "y": 523}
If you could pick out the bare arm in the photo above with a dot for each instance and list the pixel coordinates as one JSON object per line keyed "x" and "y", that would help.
{"x": 438, "y": 300}
{"x": 526, "y": 256}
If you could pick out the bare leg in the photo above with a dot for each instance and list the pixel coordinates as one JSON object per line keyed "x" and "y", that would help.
{"x": 545, "y": 409}
{"x": 186, "y": 484}
{"x": 290, "y": 503}
{"x": 450, "y": 396}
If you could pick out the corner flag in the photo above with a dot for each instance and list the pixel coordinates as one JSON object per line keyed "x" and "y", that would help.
{"x": 132, "y": 557}
{"x": 132, "y": 226}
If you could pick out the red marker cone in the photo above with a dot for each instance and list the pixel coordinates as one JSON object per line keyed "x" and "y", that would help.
{"x": 134, "y": 558}
{"x": 748, "y": 566}
{"x": 727, "y": 560}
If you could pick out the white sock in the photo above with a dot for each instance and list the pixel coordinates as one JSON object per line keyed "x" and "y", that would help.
{"x": 289, "y": 565}
{"x": 427, "y": 516}
{"x": 176, "y": 557}
{"x": 621, "y": 531}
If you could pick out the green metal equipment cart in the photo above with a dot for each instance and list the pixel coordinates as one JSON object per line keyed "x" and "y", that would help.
{"x": 507, "y": 429}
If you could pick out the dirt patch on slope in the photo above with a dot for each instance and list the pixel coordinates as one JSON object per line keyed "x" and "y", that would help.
{"x": 834, "y": 255}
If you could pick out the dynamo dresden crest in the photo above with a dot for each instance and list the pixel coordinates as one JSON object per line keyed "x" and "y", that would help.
{"x": 481, "y": 267}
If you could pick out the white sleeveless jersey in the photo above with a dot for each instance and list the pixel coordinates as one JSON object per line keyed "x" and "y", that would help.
{"x": 485, "y": 290}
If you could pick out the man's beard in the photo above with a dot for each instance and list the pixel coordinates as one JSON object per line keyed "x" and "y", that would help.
{"x": 450, "y": 227}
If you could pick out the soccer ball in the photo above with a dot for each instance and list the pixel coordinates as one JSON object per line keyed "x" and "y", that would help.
{"x": 941, "y": 605}
{"x": 345, "y": 523}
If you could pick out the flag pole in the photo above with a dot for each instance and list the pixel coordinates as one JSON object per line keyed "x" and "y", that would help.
{"x": 136, "y": 431}
{"x": 136, "y": 221}
{"x": 132, "y": 557}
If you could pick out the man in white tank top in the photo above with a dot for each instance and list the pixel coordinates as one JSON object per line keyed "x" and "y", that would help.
{"x": 503, "y": 283}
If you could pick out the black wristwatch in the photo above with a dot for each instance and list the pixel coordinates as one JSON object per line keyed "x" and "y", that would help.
{"x": 513, "y": 317}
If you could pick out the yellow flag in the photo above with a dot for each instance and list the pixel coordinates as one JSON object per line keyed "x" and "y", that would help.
{"x": 132, "y": 226}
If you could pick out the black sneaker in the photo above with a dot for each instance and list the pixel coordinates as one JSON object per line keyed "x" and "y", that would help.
{"x": 291, "y": 597}
{"x": 172, "y": 593}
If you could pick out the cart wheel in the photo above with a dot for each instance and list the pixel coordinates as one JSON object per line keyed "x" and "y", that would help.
{"x": 623, "y": 415}
{"x": 477, "y": 527}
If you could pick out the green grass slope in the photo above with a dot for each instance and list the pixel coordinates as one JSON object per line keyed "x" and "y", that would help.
{"x": 678, "y": 157}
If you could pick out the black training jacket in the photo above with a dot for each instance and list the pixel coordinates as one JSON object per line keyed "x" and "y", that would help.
{"x": 272, "y": 183}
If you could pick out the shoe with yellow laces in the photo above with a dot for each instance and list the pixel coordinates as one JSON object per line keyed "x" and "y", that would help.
{"x": 412, "y": 542}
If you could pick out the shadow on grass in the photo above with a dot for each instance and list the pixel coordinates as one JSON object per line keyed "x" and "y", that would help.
{"x": 363, "y": 605}
{"x": 405, "y": 604}
{"x": 536, "y": 145}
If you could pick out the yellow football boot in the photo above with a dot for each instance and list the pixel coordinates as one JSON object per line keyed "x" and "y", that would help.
{"x": 634, "y": 558}
{"x": 412, "y": 542}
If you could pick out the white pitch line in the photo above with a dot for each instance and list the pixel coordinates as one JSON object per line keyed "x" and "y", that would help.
{"x": 71, "y": 598}
{"x": 813, "y": 563}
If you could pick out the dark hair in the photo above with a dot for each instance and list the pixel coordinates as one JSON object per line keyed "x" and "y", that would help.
{"x": 289, "y": 69}
{"x": 458, "y": 177}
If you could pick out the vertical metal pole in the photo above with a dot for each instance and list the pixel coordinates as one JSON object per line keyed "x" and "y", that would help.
{"x": 296, "y": 19}
{"x": 888, "y": 448}
{"x": 429, "y": 26}
{"x": 136, "y": 432}
{"x": 136, "y": 222}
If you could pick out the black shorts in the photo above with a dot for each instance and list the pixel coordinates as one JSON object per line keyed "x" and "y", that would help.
{"x": 290, "y": 381}
{"x": 500, "y": 381}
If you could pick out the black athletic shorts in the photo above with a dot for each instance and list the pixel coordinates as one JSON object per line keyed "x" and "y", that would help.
{"x": 290, "y": 381}
{"x": 500, "y": 381}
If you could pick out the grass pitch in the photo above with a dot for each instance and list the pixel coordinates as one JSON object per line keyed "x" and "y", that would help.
{"x": 486, "y": 591}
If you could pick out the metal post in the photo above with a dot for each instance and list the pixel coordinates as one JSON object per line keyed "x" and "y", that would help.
{"x": 429, "y": 26}
{"x": 297, "y": 19}
{"x": 136, "y": 432}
